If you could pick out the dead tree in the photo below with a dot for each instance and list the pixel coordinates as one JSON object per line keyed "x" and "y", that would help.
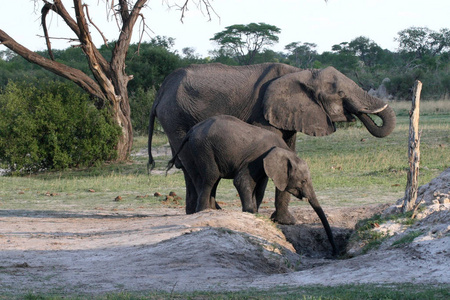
{"x": 413, "y": 151}
{"x": 109, "y": 80}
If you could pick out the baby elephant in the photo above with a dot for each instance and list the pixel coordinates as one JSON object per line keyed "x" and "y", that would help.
{"x": 226, "y": 147}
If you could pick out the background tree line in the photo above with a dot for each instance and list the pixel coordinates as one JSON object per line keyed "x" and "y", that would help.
{"x": 422, "y": 54}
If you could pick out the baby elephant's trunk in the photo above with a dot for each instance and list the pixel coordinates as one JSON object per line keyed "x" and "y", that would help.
{"x": 319, "y": 211}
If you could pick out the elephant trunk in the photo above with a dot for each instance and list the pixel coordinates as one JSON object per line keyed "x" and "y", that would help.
{"x": 312, "y": 199}
{"x": 387, "y": 115}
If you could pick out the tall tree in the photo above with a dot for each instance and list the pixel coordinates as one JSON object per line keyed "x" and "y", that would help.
{"x": 423, "y": 41}
{"x": 109, "y": 80}
{"x": 245, "y": 41}
{"x": 366, "y": 49}
{"x": 303, "y": 55}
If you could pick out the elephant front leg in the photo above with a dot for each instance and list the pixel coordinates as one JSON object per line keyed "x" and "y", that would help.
{"x": 282, "y": 214}
{"x": 245, "y": 189}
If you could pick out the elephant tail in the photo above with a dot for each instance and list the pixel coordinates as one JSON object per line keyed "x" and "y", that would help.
{"x": 171, "y": 162}
{"x": 151, "y": 127}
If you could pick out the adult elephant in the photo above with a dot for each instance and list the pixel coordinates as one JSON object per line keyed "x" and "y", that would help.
{"x": 278, "y": 97}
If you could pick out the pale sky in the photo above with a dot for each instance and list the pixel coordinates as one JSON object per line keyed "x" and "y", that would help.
{"x": 313, "y": 21}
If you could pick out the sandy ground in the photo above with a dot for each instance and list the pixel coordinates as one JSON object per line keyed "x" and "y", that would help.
{"x": 164, "y": 249}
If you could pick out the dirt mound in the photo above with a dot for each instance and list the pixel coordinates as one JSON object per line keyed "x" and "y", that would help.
{"x": 101, "y": 252}
{"x": 164, "y": 249}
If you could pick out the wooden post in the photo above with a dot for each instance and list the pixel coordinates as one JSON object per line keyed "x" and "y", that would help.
{"x": 413, "y": 151}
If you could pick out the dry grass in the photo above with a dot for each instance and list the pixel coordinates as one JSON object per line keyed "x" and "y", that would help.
{"x": 437, "y": 107}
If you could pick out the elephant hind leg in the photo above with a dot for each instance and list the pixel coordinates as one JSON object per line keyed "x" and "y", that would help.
{"x": 191, "y": 194}
{"x": 206, "y": 197}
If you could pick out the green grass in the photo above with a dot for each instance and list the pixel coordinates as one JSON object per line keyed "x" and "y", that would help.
{"x": 348, "y": 292}
{"x": 365, "y": 235}
{"x": 408, "y": 238}
{"x": 349, "y": 168}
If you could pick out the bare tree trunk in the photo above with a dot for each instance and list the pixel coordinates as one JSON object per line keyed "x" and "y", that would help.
{"x": 122, "y": 117}
{"x": 413, "y": 151}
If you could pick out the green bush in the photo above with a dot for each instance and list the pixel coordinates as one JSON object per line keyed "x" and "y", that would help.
{"x": 53, "y": 126}
{"x": 141, "y": 103}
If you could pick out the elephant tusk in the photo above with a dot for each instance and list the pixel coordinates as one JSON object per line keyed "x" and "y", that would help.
{"x": 375, "y": 111}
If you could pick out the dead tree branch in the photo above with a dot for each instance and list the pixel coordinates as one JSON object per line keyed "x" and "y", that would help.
{"x": 75, "y": 75}
{"x": 105, "y": 40}
{"x": 89, "y": 48}
{"x": 59, "y": 9}
{"x": 142, "y": 31}
{"x": 123, "y": 42}
{"x": 59, "y": 38}
{"x": 44, "y": 12}
{"x": 202, "y": 5}
{"x": 412, "y": 184}
{"x": 123, "y": 9}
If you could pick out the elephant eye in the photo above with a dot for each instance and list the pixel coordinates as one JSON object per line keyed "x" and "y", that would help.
{"x": 331, "y": 88}
{"x": 341, "y": 94}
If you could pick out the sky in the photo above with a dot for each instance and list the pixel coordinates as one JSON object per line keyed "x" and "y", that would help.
{"x": 312, "y": 21}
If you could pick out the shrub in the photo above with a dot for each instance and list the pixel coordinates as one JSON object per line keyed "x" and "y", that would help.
{"x": 53, "y": 126}
{"x": 140, "y": 105}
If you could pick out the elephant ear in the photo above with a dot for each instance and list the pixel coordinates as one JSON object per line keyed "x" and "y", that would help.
{"x": 290, "y": 103}
{"x": 277, "y": 166}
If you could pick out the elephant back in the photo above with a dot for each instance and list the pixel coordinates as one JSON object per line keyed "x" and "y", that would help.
{"x": 214, "y": 89}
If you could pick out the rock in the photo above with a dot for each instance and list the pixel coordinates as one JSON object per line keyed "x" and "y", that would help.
{"x": 392, "y": 210}
{"x": 381, "y": 92}
{"x": 438, "y": 187}
{"x": 355, "y": 249}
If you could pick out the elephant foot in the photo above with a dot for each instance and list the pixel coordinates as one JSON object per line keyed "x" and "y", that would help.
{"x": 191, "y": 206}
{"x": 284, "y": 218}
{"x": 190, "y": 210}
